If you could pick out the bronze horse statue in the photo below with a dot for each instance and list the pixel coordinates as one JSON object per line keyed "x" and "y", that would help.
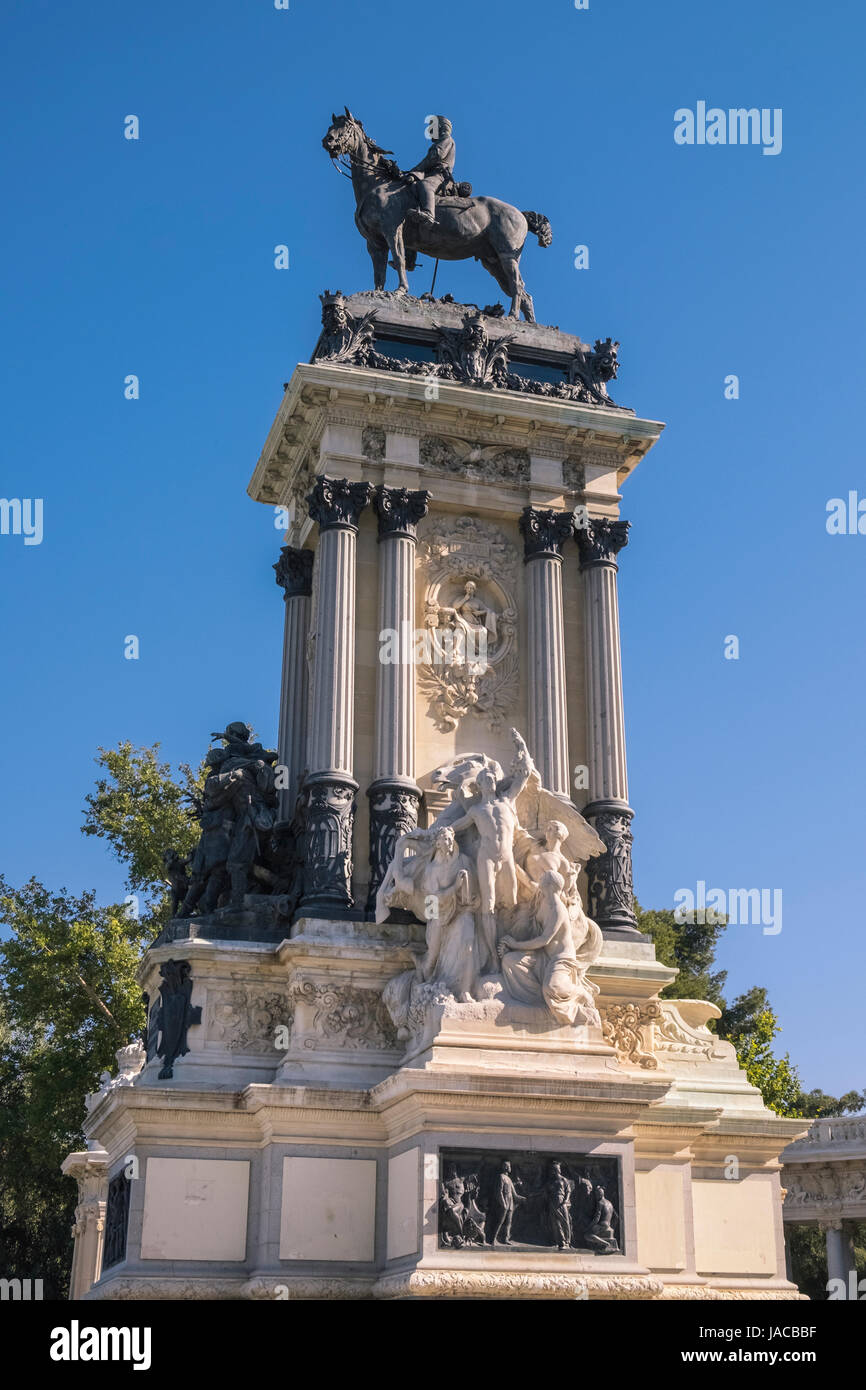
{"x": 386, "y": 215}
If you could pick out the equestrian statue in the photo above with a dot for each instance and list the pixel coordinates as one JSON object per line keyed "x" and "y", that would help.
{"x": 423, "y": 211}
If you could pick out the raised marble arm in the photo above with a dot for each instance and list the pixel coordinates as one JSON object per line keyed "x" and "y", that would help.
{"x": 522, "y": 767}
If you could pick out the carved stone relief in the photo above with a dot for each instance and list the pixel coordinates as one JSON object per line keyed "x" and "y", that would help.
{"x": 469, "y": 459}
{"x": 573, "y": 475}
{"x": 829, "y": 1185}
{"x": 373, "y": 443}
{"x": 246, "y": 1021}
{"x": 469, "y": 572}
{"x": 344, "y": 1016}
{"x": 675, "y": 1034}
{"x": 529, "y": 1201}
{"x": 622, "y": 1026}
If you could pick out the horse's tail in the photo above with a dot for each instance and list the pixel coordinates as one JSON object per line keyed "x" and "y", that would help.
{"x": 539, "y": 224}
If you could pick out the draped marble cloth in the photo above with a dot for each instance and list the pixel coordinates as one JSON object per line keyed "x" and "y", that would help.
{"x": 555, "y": 974}
{"x": 457, "y": 941}
{"x": 538, "y": 978}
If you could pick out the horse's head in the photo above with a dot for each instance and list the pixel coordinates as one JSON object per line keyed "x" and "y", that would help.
{"x": 345, "y": 135}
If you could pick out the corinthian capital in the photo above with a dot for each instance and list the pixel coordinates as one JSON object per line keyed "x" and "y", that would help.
{"x": 544, "y": 532}
{"x": 399, "y": 510}
{"x": 294, "y": 572}
{"x": 335, "y": 503}
{"x": 600, "y": 540}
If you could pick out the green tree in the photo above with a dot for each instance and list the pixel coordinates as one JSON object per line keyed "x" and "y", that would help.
{"x": 775, "y": 1077}
{"x": 817, "y": 1105}
{"x": 690, "y": 947}
{"x": 69, "y": 999}
{"x": 142, "y": 809}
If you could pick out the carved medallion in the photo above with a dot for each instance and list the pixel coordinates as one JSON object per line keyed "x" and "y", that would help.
{"x": 470, "y": 620}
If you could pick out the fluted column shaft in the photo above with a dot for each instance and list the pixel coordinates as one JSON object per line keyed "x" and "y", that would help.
{"x": 331, "y": 743}
{"x": 544, "y": 533}
{"x": 294, "y": 573}
{"x": 608, "y": 777}
{"x": 330, "y": 787}
{"x": 394, "y": 796}
{"x": 611, "y": 893}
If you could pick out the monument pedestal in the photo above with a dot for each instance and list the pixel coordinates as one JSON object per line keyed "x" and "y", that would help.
{"x": 300, "y": 1150}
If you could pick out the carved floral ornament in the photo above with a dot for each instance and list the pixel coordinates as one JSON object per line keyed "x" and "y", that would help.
{"x": 246, "y": 1021}
{"x": 470, "y": 615}
{"x": 641, "y": 1033}
{"x": 341, "y": 1016}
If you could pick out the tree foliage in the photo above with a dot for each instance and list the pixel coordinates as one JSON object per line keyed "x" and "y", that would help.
{"x": 775, "y": 1077}
{"x": 69, "y": 999}
{"x": 142, "y": 810}
{"x": 691, "y": 949}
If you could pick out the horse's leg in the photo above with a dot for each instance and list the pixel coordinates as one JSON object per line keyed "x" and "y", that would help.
{"x": 398, "y": 256}
{"x": 528, "y": 306}
{"x": 513, "y": 284}
{"x": 521, "y": 298}
{"x": 379, "y": 257}
{"x": 493, "y": 266}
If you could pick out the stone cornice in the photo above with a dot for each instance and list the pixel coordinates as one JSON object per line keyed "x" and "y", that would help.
{"x": 319, "y": 392}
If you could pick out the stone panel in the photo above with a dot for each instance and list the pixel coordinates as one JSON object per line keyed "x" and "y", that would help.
{"x": 403, "y": 1204}
{"x": 328, "y": 1209}
{"x": 661, "y": 1236}
{"x": 734, "y": 1226}
{"x": 195, "y": 1209}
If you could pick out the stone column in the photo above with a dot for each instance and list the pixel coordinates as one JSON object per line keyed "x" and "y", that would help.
{"x": 610, "y": 875}
{"x": 294, "y": 572}
{"x": 329, "y": 809}
{"x": 394, "y": 796}
{"x": 90, "y": 1170}
{"x": 544, "y": 533}
{"x": 840, "y": 1257}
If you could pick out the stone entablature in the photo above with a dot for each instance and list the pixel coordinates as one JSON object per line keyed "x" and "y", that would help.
{"x": 825, "y": 1172}
{"x": 559, "y": 451}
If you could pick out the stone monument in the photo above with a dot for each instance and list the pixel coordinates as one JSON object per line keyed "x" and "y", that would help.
{"x": 404, "y": 1038}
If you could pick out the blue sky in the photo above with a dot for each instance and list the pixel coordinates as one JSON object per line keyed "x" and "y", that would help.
{"x": 155, "y": 257}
